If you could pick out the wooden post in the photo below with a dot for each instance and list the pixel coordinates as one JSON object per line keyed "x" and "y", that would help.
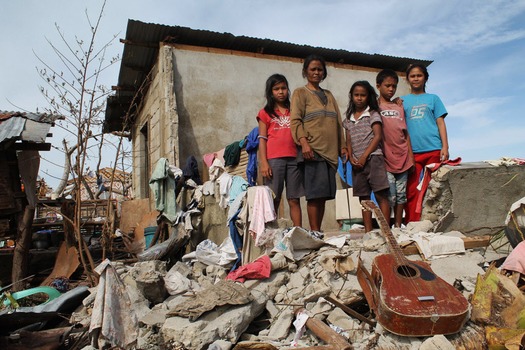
{"x": 327, "y": 334}
{"x": 21, "y": 252}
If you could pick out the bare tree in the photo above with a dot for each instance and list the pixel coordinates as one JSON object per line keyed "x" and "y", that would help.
{"x": 75, "y": 92}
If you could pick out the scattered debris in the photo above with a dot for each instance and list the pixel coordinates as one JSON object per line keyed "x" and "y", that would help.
{"x": 295, "y": 288}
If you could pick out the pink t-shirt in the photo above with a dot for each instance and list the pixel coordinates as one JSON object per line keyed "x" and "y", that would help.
{"x": 280, "y": 142}
{"x": 395, "y": 144}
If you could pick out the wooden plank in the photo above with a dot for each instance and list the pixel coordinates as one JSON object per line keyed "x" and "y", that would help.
{"x": 327, "y": 334}
{"x": 132, "y": 213}
{"x": 470, "y": 243}
{"x": 350, "y": 311}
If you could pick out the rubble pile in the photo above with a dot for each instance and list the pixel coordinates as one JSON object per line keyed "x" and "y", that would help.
{"x": 193, "y": 305}
{"x": 221, "y": 273}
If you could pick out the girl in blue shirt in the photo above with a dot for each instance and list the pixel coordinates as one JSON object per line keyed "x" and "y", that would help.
{"x": 425, "y": 117}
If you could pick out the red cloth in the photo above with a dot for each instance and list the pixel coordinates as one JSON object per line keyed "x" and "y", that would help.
{"x": 420, "y": 160}
{"x": 259, "y": 269}
{"x": 427, "y": 175}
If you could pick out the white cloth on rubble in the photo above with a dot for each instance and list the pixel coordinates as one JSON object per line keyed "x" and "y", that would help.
{"x": 207, "y": 252}
{"x": 519, "y": 217}
{"x": 216, "y": 169}
{"x": 112, "y": 311}
{"x": 433, "y": 244}
{"x": 262, "y": 212}
{"x": 296, "y": 242}
{"x": 225, "y": 182}
{"x": 208, "y": 188}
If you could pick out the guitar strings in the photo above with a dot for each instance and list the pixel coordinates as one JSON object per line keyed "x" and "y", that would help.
{"x": 402, "y": 262}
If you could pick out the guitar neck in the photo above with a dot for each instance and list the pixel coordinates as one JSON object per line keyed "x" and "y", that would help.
{"x": 394, "y": 247}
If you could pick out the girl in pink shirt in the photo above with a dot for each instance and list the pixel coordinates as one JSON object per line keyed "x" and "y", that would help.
{"x": 277, "y": 150}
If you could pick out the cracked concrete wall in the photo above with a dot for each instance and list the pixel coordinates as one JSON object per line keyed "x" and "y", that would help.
{"x": 473, "y": 198}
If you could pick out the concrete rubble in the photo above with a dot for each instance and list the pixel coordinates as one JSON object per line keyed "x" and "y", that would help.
{"x": 192, "y": 306}
{"x": 299, "y": 289}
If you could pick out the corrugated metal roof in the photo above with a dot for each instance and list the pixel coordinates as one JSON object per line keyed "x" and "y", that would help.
{"x": 142, "y": 43}
{"x": 25, "y": 126}
{"x": 37, "y": 117}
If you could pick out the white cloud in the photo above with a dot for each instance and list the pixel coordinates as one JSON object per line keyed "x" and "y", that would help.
{"x": 477, "y": 112}
{"x": 434, "y": 27}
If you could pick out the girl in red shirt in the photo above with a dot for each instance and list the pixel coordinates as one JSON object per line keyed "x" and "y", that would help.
{"x": 277, "y": 150}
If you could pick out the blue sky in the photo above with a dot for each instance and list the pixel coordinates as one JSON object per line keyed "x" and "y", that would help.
{"x": 478, "y": 49}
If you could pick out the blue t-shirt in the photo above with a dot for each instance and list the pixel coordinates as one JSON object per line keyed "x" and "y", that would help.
{"x": 421, "y": 113}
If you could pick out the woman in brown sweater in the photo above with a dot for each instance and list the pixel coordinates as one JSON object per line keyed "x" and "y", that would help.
{"x": 316, "y": 127}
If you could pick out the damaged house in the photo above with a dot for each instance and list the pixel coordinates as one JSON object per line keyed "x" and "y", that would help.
{"x": 22, "y": 136}
{"x": 184, "y": 92}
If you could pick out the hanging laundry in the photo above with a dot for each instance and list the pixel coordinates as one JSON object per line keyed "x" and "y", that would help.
{"x": 252, "y": 144}
{"x": 232, "y": 154}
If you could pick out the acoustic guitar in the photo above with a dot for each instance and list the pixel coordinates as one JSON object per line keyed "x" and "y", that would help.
{"x": 407, "y": 297}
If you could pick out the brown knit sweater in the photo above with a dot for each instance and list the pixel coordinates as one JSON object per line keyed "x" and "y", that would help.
{"x": 319, "y": 124}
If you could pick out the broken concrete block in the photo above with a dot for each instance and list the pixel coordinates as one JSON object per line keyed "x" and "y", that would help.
{"x": 182, "y": 330}
{"x": 216, "y": 273}
{"x": 149, "y": 278}
{"x": 314, "y": 291}
{"x": 280, "y": 327}
{"x": 319, "y": 308}
{"x": 348, "y": 325}
{"x": 278, "y": 262}
{"x": 272, "y": 309}
{"x": 139, "y": 303}
{"x": 220, "y": 345}
{"x": 458, "y": 266}
{"x": 420, "y": 226}
{"x": 225, "y": 292}
{"x": 182, "y": 268}
{"x": 437, "y": 342}
{"x": 281, "y": 294}
{"x": 148, "y": 339}
{"x": 297, "y": 279}
{"x": 156, "y": 317}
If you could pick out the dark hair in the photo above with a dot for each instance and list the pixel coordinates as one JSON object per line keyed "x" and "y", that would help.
{"x": 386, "y": 73}
{"x": 309, "y": 60}
{"x": 372, "y": 97}
{"x": 422, "y": 68}
{"x": 270, "y": 102}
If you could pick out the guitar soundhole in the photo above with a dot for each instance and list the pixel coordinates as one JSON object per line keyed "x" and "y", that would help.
{"x": 407, "y": 271}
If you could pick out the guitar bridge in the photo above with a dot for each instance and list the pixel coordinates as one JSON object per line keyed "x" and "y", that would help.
{"x": 426, "y": 298}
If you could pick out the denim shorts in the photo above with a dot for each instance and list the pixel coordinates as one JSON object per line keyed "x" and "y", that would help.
{"x": 398, "y": 188}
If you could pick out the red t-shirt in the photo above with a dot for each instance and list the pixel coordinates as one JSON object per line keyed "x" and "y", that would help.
{"x": 280, "y": 142}
{"x": 395, "y": 144}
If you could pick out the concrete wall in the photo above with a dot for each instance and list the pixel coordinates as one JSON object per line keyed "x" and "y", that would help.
{"x": 473, "y": 198}
{"x": 159, "y": 119}
{"x": 202, "y": 99}
{"x": 219, "y": 93}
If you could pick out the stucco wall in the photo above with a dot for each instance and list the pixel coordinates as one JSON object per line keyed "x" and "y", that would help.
{"x": 210, "y": 98}
{"x": 219, "y": 93}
